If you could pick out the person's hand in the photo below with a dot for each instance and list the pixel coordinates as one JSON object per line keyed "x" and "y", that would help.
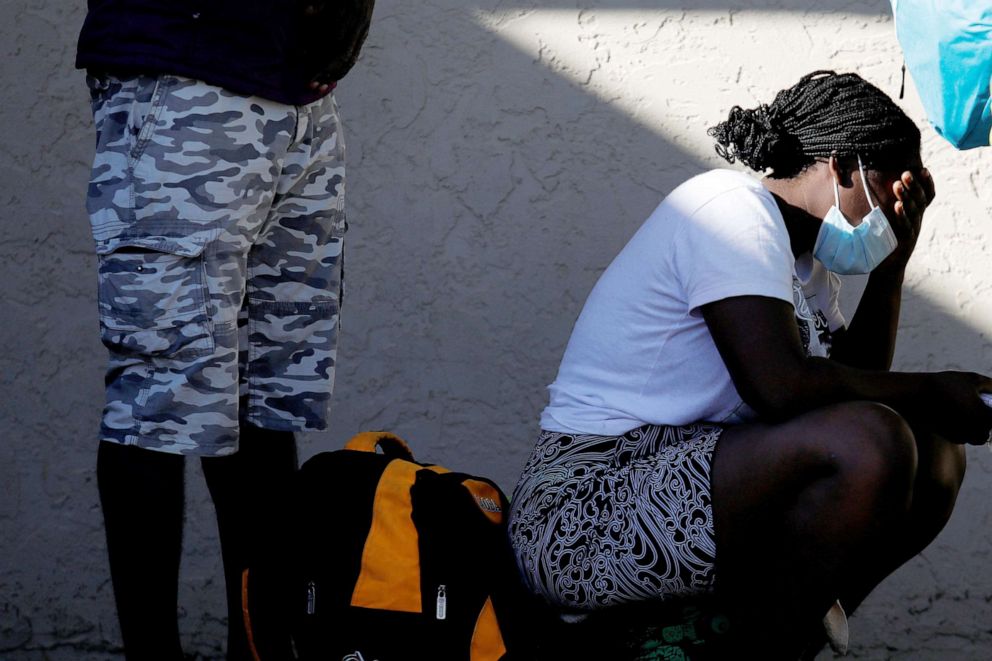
{"x": 320, "y": 87}
{"x": 331, "y": 38}
{"x": 914, "y": 192}
{"x": 955, "y": 409}
{"x": 312, "y": 10}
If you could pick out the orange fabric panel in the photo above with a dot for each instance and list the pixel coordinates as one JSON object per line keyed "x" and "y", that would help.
{"x": 487, "y": 641}
{"x": 390, "y": 573}
{"x": 247, "y": 616}
{"x": 487, "y": 498}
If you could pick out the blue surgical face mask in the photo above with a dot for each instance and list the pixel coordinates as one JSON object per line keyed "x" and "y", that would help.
{"x": 845, "y": 249}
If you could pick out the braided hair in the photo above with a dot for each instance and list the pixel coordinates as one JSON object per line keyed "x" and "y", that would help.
{"x": 824, "y": 113}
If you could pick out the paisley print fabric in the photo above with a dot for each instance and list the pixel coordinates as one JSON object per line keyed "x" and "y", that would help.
{"x": 603, "y": 520}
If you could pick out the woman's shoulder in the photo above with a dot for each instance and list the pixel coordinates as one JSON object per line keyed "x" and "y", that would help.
{"x": 718, "y": 183}
{"x": 720, "y": 197}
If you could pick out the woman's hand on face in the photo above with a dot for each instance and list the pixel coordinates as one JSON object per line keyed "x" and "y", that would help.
{"x": 914, "y": 193}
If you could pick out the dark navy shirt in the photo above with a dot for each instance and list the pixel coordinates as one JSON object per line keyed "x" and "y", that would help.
{"x": 269, "y": 48}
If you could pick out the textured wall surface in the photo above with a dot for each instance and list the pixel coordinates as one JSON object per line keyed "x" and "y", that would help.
{"x": 500, "y": 153}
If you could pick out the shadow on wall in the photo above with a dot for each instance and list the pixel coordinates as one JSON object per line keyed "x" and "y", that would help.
{"x": 487, "y": 194}
{"x": 868, "y": 7}
{"x": 518, "y": 185}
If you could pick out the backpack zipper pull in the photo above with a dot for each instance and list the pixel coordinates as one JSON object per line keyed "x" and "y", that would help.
{"x": 442, "y": 602}
{"x": 311, "y": 598}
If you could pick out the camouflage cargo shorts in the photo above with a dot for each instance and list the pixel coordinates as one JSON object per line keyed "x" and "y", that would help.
{"x": 219, "y": 226}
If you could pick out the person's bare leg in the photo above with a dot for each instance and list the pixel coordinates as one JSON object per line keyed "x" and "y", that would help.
{"x": 940, "y": 471}
{"x": 939, "y": 475}
{"x": 249, "y": 490}
{"x": 141, "y": 492}
{"x": 796, "y": 507}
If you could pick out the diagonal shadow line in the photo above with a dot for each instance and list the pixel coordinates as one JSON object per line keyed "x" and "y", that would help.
{"x": 652, "y": 161}
{"x": 488, "y": 145}
{"x": 865, "y": 7}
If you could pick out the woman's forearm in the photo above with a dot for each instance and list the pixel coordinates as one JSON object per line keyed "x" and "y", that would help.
{"x": 870, "y": 340}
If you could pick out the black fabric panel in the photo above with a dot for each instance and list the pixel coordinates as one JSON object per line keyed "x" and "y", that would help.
{"x": 335, "y": 493}
{"x": 253, "y": 47}
{"x": 334, "y": 497}
{"x": 455, "y": 542}
{"x": 376, "y": 634}
{"x": 527, "y": 623}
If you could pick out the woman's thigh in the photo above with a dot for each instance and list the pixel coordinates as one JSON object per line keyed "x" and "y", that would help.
{"x": 756, "y": 466}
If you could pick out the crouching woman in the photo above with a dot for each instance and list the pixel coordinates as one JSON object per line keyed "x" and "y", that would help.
{"x": 716, "y": 425}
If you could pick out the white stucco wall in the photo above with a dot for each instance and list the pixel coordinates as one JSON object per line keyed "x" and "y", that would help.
{"x": 500, "y": 153}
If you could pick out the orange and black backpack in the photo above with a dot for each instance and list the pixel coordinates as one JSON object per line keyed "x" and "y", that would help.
{"x": 387, "y": 559}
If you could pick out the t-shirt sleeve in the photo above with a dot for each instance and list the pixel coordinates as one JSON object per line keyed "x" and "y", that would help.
{"x": 735, "y": 244}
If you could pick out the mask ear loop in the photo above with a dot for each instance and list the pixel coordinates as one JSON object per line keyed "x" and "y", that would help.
{"x": 837, "y": 196}
{"x": 864, "y": 182}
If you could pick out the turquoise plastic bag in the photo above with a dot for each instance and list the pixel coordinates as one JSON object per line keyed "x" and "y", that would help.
{"x": 948, "y": 49}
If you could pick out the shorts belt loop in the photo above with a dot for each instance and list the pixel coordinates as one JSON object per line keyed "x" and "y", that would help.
{"x": 296, "y": 125}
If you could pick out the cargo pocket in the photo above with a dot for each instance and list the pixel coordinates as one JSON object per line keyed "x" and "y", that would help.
{"x": 153, "y": 297}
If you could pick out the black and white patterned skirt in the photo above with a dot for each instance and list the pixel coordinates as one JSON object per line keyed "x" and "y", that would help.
{"x": 603, "y": 520}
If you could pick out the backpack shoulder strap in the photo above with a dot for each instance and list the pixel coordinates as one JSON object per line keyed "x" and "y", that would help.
{"x": 390, "y": 444}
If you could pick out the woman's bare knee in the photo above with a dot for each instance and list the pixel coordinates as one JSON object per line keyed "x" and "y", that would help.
{"x": 873, "y": 451}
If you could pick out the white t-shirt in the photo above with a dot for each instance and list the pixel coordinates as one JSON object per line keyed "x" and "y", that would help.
{"x": 641, "y": 353}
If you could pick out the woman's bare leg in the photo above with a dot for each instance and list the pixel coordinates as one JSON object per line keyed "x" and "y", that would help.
{"x": 798, "y": 507}
{"x": 940, "y": 471}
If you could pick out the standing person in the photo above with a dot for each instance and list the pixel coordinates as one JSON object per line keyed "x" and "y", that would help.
{"x": 716, "y": 425}
{"x": 217, "y": 207}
